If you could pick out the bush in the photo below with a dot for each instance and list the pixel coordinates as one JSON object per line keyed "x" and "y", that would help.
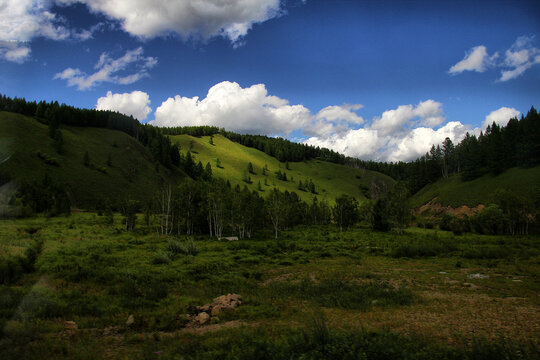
{"x": 161, "y": 257}
{"x": 490, "y": 221}
{"x": 187, "y": 247}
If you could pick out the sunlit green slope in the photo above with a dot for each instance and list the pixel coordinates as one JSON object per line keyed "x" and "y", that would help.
{"x": 331, "y": 180}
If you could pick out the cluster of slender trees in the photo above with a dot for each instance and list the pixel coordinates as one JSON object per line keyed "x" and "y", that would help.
{"x": 216, "y": 208}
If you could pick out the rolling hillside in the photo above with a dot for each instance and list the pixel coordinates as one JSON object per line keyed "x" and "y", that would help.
{"x": 455, "y": 192}
{"x": 331, "y": 180}
{"x": 132, "y": 172}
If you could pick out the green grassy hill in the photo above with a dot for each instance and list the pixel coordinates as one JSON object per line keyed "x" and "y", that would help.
{"x": 132, "y": 172}
{"x": 455, "y": 192}
{"x": 331, "y": 180}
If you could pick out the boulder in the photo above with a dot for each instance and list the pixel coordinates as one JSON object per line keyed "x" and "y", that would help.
{"x": 130, "y": 320}
{"x": 202, "y": 318}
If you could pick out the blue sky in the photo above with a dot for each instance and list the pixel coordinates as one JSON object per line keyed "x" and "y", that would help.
{"x": 373, "y": 79}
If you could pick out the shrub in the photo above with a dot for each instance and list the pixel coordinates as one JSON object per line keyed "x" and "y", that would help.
{"x": 161, "y": 257}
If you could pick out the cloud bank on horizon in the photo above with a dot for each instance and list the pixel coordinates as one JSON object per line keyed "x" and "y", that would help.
{"x": 399, "y": 134}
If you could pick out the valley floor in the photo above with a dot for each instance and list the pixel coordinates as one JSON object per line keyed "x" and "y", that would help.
{"x": 77, "y": 288}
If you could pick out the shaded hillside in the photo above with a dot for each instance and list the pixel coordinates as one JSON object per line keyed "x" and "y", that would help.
{"x": 131, "y": 172}
{"x": 330, "y": 180}
{"x": 455, "y": 192}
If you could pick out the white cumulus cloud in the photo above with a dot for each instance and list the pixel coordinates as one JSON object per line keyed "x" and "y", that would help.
{"x": 403, "y": 133}
{"x": 519, "y": 58}
{"x": 135, "y": 103}
{"x": 419, "y": 140}
{"x": 500, "y": 116}
{"x": 23, "y": 20}
{"x": 228, "y": 105}
{"x": 188, "y": 18}
{"x": 398, "y": 120}
{"x": 476, "y": 59}
{"x": 111, "y": 70}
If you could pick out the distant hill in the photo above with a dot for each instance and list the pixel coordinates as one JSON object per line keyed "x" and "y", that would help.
{"x": 330, "y": 179}
{"x": 455, "y": 192}
{"x": 132, "y": 171}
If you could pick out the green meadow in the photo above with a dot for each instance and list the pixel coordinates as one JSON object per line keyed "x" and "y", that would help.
{"x": 314, "y": 293}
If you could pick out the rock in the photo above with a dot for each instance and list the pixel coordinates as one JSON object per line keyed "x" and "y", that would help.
{"x": 205, "y": 308}
{"x": 130, "y": 320}
{"x": 202, "y": 318}
{"x": 478, "y": 276}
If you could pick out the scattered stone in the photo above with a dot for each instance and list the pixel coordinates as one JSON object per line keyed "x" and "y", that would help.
{"x": 202, "y": 318}
{"x": 442, "y": 272}
{"x": 130, "y": 320}
{"x": 478, "y": 276}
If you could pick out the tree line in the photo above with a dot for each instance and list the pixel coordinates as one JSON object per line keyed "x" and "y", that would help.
{"x": 493, "y": 151}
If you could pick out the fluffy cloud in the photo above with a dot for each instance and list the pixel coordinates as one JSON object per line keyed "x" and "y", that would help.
{"x": 520, "y": 57}
{"x": 418, "y": 141}
{"x": 134, "y": 103}
{"x": 476, "y": 59}
{"x": 397, "y": 120}
{"x": 228, "y": 105}
{"x": 333, "y": 119}
{"x": 361, "y": 143}
{"x": 108, "y": 69}
{"x": 23, "y": 20}
{"x": 14, "y": 51}
{"x": 500, "y": 116}
{"x": 403, "y": 133}
{"x": 188, "y": 18}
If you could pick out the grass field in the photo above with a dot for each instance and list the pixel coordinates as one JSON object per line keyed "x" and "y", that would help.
{"x": 331, "y": 180}
{"x": 455, "y": 192}
{"x": 132, "y": 172}
{"x": 312, "y": 293}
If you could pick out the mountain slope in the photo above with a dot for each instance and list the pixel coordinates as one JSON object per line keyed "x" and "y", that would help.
{"x": 331, "y": 180}
{"x": 455, "y": 192}
{"x": 132, "y": 172}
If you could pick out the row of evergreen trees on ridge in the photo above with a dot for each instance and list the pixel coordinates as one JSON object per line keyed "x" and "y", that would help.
{"x": 495, "y": 150}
